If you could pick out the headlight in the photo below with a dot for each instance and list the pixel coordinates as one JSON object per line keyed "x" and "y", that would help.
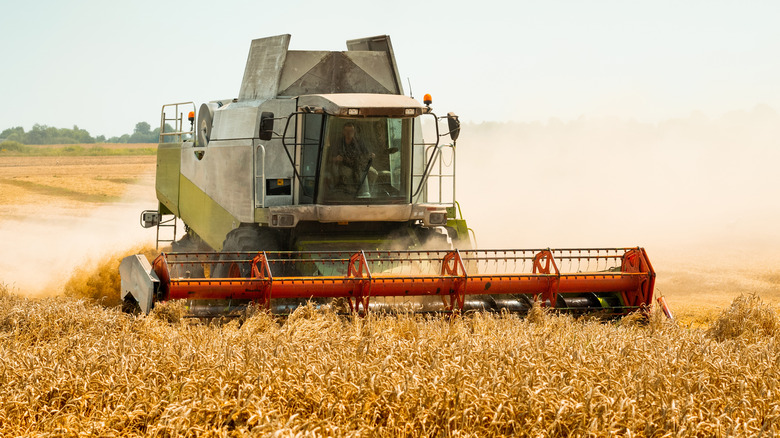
{"x": 438, "y": 218}
{"x": 282, "y": 220}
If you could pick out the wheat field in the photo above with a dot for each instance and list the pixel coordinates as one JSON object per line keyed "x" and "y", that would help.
{"x": 70, "y": 367}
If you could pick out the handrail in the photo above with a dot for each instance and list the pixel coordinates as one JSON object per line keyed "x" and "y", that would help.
{"x": 178, "y": 127}
{"x": 261, "y": 149}
{"x": 436, "y": 156}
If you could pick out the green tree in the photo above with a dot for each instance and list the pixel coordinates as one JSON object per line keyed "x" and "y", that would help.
{"x": 144, "y": 134}
{"x": 42, "y": 134}
{"x": 13, "y": 134}
{"x": 142, "y": 128}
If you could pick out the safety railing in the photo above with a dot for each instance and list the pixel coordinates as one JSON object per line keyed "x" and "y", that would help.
{"x": 172, "y": 122}
{"x": 432, "y": 186}
{"x": 441, "y": 181}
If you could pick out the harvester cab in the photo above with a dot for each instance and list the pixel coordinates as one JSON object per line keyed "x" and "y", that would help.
{"x": 316, "y": 183}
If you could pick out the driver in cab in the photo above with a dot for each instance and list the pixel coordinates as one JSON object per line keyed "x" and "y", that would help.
{"x": 354, "y": 161}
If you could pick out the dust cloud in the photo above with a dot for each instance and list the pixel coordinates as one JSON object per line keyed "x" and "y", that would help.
{"x": 700, "y": 193}
{"x": 41, "y": 252}
{"x": 611, "y": 182}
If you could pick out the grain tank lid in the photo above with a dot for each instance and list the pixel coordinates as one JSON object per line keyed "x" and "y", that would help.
{"x": 272, "y": 70}
{"x": 362, "y": 105}
{"x": 263, "y": 68}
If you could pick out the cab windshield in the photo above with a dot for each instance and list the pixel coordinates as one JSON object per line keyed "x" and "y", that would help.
{"x": 365, "y": 160}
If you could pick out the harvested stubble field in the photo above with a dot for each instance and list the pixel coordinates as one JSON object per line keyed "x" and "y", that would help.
{"x": 73, "y": 365}
{"x": 69, "y": 368}
{"x": 29, "y": 183}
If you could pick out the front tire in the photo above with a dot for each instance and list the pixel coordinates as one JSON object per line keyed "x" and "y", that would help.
{"x": 251, "y": 238}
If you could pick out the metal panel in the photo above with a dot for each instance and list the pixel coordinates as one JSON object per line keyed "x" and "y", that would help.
{"x": 338, "y": 73}
{"x": 225, "y": 174}
{"x": 263, "y": 68}
{"x": 380, "y": 43}
{"x": 378, "y": 67}
{"x": 277, "y": 166}
{"x": 167, "y": 178}
{"x": 138, "y": 280}
{"x": 363, "y": 213}
{"x": 235, "y": 121}
{"x": 347, "y": 213}
{"x": 207, "y": 218}
{"x": 298, "y": 64}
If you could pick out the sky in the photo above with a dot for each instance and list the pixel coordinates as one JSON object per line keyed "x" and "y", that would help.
{"x": 105, "y": 66}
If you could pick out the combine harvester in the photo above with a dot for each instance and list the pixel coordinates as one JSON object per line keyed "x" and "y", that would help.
{"x": 315, "y": 184}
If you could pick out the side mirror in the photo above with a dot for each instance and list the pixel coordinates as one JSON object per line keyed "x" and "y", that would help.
{"x": 266, "y": 126}
{"x": 454, "y": 125}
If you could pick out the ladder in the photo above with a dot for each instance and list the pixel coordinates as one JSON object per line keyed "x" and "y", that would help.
{"x": 166, "y": 223}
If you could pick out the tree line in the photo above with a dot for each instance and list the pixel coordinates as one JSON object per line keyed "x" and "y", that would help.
{"x": 42, "y": 134}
